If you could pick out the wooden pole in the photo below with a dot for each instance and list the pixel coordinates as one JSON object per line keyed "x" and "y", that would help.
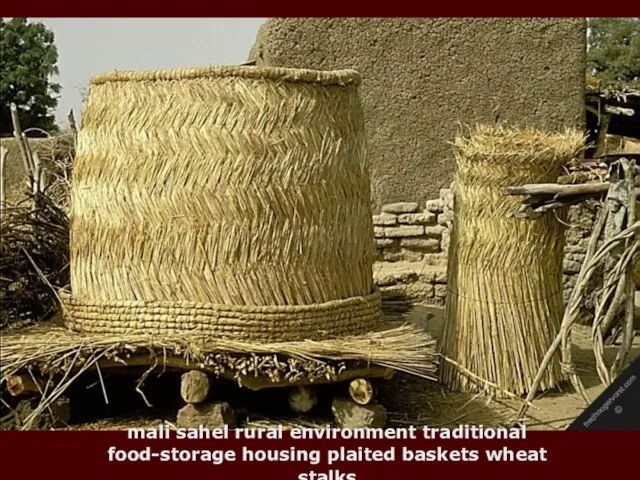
{"x": 560, "y": 190}
{"x": 25, "y": 152}
{"x": 72, "y": 123}
{"x": 605, "y": 120}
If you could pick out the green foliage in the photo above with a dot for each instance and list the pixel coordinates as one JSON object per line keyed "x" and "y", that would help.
{"x": 28, "y": 58}
{"x": 614, "y": 50}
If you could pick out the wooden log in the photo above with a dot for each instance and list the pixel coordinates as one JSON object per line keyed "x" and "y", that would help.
{"x": 194, "y": 386}
{"x": 21, "y": 385}
{"x": 250, "y": 381}
{"x": 302, "y": 399}
{"x": 361, "y": 391}
{"x": 177, "y": 363}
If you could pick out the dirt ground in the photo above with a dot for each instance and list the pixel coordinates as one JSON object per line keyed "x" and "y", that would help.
{"x": 414, "y": 401}
{"x": 430, "y": 403}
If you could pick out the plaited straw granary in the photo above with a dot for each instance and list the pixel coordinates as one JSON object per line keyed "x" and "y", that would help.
{"x": 504, "y": 304}
{"x": 233, "y": 201}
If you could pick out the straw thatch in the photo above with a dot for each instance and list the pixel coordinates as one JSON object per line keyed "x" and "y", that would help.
{"x": 228, "y": 200}
{"x": 504, "y": 303}
{"x": 55, "y": 357}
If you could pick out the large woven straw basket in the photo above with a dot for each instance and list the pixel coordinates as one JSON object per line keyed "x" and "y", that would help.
{"x": 231, "y": 201}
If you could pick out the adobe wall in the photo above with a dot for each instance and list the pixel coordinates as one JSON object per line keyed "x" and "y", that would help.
{"x": 424, "y": 76}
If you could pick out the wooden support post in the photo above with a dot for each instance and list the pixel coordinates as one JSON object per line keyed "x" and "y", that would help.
{"x": 361, "y": 391}
{"x": 21, "y": 385}
{"x": 605, "y": 120}
{"x": 194, "y": 386}
{"x": 302, "y": 399}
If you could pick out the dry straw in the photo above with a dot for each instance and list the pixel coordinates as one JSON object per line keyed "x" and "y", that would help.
{"x": 504, "y": 304}
{"x": 228, "y": 200}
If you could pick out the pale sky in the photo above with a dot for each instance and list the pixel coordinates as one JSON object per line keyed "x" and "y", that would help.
{"x": 87, "y": 46}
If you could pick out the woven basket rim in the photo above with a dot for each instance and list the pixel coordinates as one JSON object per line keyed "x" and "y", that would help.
{"x": 297, "y": 75}
{"x": 68, "y": 296}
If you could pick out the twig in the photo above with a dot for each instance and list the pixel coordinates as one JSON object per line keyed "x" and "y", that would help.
{"x": 143, "y": 378}
{"x": 104, "y": 390}
{"x": 486, "y": 383}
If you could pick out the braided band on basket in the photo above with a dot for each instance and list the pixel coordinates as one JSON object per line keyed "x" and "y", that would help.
{"x": 337, "y": 318}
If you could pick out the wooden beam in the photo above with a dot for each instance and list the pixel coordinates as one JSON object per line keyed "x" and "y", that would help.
{"x": 561, "y": 190}
{"x": 361, "y": 391}
{"x": 249, "y": 381}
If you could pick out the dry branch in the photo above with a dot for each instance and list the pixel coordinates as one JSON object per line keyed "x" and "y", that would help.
{"x": 561, "y": 190}
{"x": 545, "y": 197}
{"x": 34, "y": 259}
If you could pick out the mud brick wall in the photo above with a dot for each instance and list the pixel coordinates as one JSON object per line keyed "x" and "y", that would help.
{"x": 421, "y": 77}
{"x": 404, "y": 231}
{"x": 406, "y": 234}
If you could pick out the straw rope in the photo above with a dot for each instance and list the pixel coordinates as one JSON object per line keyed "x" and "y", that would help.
{"x": 505, "y": 274}
{"x": 222, "y": 187}
{"x": 273, "y": 323}
{"x": 318, "y": 77}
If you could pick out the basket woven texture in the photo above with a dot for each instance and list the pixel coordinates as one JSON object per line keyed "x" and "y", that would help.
{"x": 504, "y": 304}
{"x": 231, "y": 201}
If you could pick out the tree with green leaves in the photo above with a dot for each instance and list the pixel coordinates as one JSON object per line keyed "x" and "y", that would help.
{"x": 614, "y": 50}
{"x": 28, "y": 60}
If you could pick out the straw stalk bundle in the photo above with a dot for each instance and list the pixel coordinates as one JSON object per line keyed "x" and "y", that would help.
{"x": 504, "y": 304}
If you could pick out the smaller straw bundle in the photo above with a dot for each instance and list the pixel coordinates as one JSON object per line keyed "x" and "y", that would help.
{"x": 504, "y": 303}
